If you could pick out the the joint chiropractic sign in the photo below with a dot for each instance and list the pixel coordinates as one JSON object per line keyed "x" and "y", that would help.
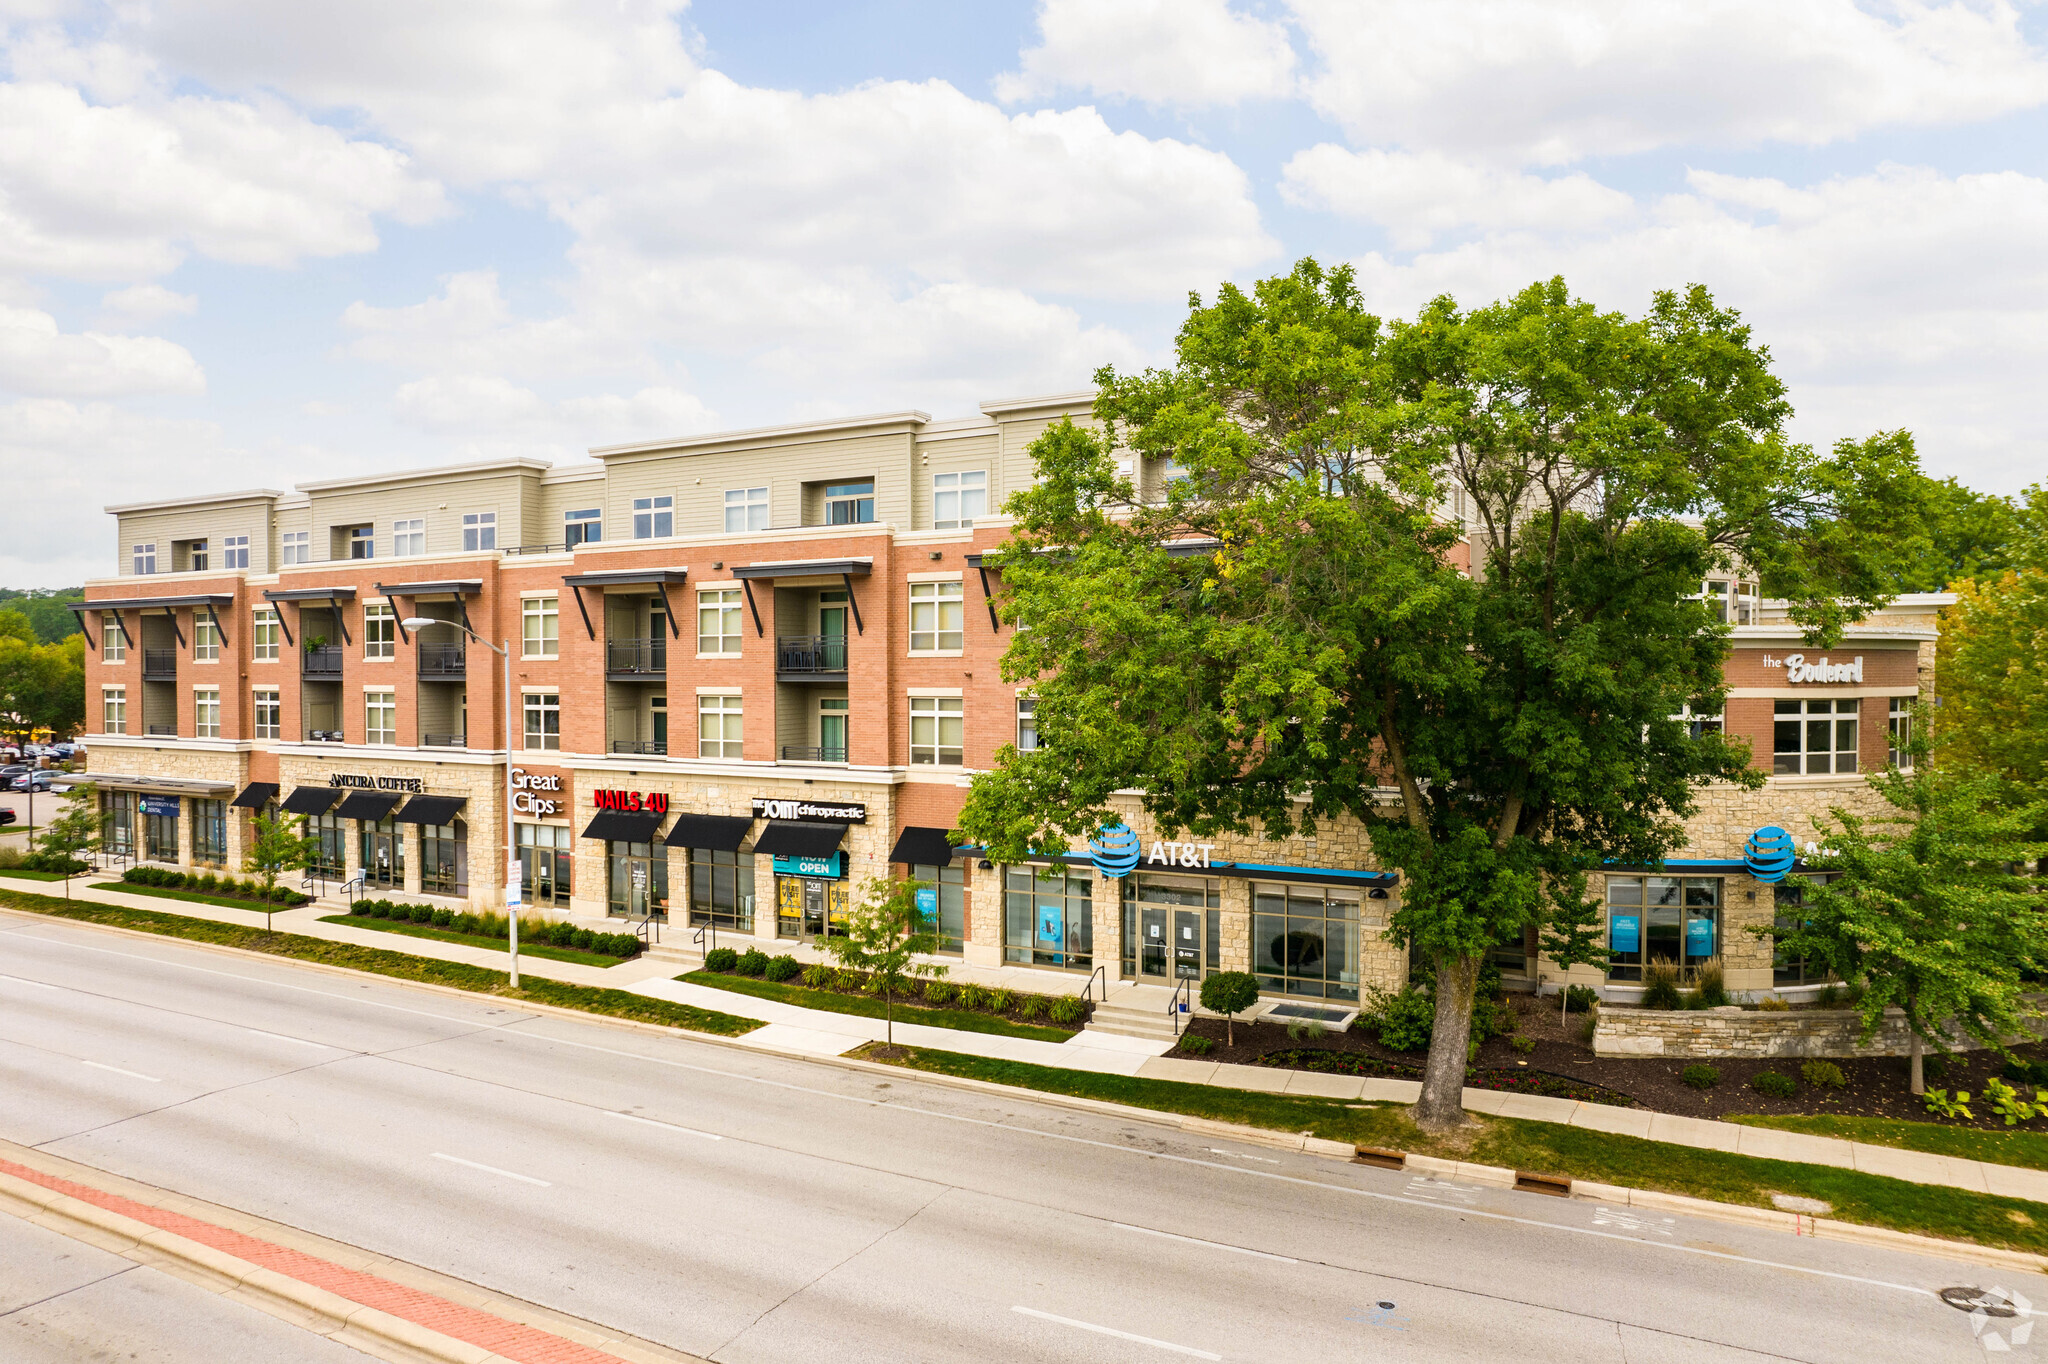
{"x": 1798, "y": 669}
{"x": 810, "y": 812}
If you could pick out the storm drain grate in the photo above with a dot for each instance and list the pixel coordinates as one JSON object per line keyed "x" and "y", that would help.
{"x": 1557, "y": 1186}
{"x": 1381, "y": 1156}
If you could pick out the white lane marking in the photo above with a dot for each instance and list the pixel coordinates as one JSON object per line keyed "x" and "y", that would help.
{"x": 39, "y": 984}
{"x": 280, "y": 1037}
{"x": 1212, "y": 1245}
{"x": 1219, "y": 1151}
{"x": 656, "y": 1122}
{"x": 1120, "y": 1335}
{"x": 1441, "y": 1191}
{"x": 1615, "y": 1217}
{"x": 492, "y": 1169}
{"x": 131, "y": 1074}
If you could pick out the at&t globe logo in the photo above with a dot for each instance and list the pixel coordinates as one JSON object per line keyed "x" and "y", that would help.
{"x": 1114, "y": 849}
{"x": 1769, "y": 853}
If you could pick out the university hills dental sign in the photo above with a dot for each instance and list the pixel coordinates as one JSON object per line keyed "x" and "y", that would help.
{"x": 1799, "y": 669}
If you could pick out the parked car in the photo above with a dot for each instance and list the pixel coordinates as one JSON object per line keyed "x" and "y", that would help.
{"x": 13, "y": 770}
{"x": 38, "y": 780}
{"x": 7, "y": 816}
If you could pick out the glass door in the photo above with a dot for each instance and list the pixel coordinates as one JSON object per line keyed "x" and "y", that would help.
{"x": 1187, "y": 944}
{"x": 832, "y": 629}
{"x": 832, "y": 727}
{"x": 383, "y": 855}
{"x": 638, "y": 881}
{"x": 1152, "y": 940}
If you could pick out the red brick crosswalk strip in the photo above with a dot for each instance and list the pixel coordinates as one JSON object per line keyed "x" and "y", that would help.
{"x": 528, "y": 1344}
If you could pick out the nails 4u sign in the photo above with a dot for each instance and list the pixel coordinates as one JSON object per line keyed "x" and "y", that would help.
{"x": 654, "y": 802}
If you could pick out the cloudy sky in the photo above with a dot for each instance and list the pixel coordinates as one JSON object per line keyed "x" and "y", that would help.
{"x": 253, "y": 244}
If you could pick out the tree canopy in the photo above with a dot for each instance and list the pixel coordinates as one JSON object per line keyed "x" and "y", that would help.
{"x": 1438, "y": 574}
{"x": 42, "y": 686}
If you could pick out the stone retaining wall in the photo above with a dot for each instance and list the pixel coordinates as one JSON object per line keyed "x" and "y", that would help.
{"x": 1711, "y": 1033}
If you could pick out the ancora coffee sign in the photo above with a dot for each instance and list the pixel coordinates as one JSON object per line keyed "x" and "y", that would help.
{"x": 1799, "y": 669}
{"x": 366, "y": 783}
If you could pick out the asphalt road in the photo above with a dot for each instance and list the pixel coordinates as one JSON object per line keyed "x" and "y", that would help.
{"x": 751, "y": 1207}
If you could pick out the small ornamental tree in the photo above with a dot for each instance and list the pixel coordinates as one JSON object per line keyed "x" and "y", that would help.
{"x": 885, "y": 933}
{"x": 1573, "y": 935}
{"x": 1230, "y": 993}
{"x": 75, "y": 830}
{"x": 276, "y": 845}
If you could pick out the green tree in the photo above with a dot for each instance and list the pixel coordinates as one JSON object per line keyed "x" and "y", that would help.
{"x": 1575, "y": 934}
{"x": 15, "y": 624}
{"x": 1230, "y": 993}
{"x": 1991, "y": 668}
{"x": 75, "y": 831}
{"x": 42, "y": 686}
{"x": 1312, "y": 646}
{"x": 885, "y": 934}
{"x": 277, "y": 844}
{"x": 1925, "y": 908}
{"x": 1970, "y": 534}
{"x": 48, "y": 610}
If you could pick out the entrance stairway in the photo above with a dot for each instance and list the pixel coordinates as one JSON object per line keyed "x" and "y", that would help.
{"x": 1139, "y": 1012}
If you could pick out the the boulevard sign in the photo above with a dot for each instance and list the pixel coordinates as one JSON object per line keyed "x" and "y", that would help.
{"x": 809, "y": 812}
{"x": 1797, "y": 669}
{"x": 364, "y": 783}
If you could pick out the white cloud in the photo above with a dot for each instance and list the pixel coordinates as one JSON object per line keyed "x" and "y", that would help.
{"x": 490, "y": 414}
{"x": 469, "y": 327}
{"x": 1174, "y": 53}
{"x": 1417, "y": 195}
{"x": 38, "y": 360}
{"x": 1554, "y": 81}
{"x": 142, "y": 304}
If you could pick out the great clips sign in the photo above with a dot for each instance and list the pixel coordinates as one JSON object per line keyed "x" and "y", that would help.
{"x": 632, "y": 802}
{"x": 540, "y": 792}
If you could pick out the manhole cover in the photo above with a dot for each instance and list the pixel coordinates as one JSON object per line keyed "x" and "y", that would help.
{"x": 1986, "y": 1300}
{"x": 1386, "y": 1306}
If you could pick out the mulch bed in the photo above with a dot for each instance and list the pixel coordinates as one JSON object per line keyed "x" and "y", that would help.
{"x": 1876, "y": 1088}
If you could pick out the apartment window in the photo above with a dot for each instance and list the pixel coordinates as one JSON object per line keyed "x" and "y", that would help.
{"x": 264, "y": 634}
{"x": 718, "y": 727}
{"x": 718, "y": 621}
{"x": 145, "y": 558}
{"x": 1027, "y": 723}
{"x": 1814, "y": 737}
{"x": 269, "y": 714}
{"x": 1698, "y": 724}
{"x": 540, "y": 627}
{"x": 380, "y": 631}
{"x": 936, "y": 614}
{"x": 849, "y": 504}
{"x": 653, "y": 517}
{"x": 409, "y": 537}
{"x": 543, "y": 719}
{"x": 298, "y": 547}
{"x": 205, "y": 639}
{"x": 206, "y": 712}
{"x": 935, "y": 729}
{"x": 1661, "y": 919}
{"x": 380, "y": 717}
{"x": 234, "y": 552}
{"x": 113, "y": 643}
{"x": 113, "y": 710}
{"x": 585, "y": 527}
{"x": 362, "y": 542}
{"x": 746, "y": 509}
{"x": 479, "y": 530}
{"x": 1900, "y": 727}
{"x": 958, "y": 498}
{"x": 197, "y": 556}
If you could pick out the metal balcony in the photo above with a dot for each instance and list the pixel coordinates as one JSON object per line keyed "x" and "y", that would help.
{"x": 444, "y": 740}
{"x": 626, "y": 659}
{"x": 324, "y": 662}
{"x": 159, "y": 665}
{"x": 442, "y": 662}
{"x": 646, "y": 748}
{"x": 797, "y": 753}
{"x": 163, "y": 731}
{"x": 810, "y": 656}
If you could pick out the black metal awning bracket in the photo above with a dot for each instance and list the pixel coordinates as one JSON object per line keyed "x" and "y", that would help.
{"x": 171, "y": 614}
{"x": 674, "y": 630}
{"x": 858, "y": 628}
{"x": 583, "y": 610}
{"x": 282, "y": 627}
{"x": 463, "y": 607}
{"x": 995, "y": 626}
{"x": 396, "y": 614}
{"x": 79, "y": 612}
{"x": 218, "y": 628}
{"x": 748, "y": 585}
{"x": 340, "y": 620}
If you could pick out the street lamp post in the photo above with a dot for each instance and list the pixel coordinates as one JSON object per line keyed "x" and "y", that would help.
{"x": 511, "y": 849}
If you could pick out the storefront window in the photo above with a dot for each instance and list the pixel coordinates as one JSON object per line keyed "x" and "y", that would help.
{"x": 545, "y": 862}
{"x": 1166, "y": 918}
{"x": 326, "y": 833}
{"x": 444, "y": 858}
{"x": 120, "y": 808}
{"x": 1669, "y": 919}
{"x": 722, "y": 889}
{"x": 1305, "y": 940}
{"x": 637, "y": 880}
{"x": 1786, "y": 969}
{"x": 160, "y": 829}
{"x": 383, "y": 854}
{"x": 809, "y": 906}
{"x": 951, "y": 881}
{"x": 210, "y": 833}
{"x": 1048, "y": 918}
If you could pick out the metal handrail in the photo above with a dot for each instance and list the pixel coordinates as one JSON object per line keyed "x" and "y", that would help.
{"x": 161, "y": 731}
{"x": 359, "y": 883}
{"x": 810, "y": 653}
{"x": 444, "y": 740}
{"x": 649, "y": 930}
{"x": 798, "y": 753}
{"x": 324, "y": 661}
{"x": 646, "y": 748}
{"x": 306, "y": 884}
{"x": 709, "y": 926}
{"x": 159, "y": 664}
{"x": 1173, "y": 1005}
{"x": 647, "y": 657}
{"x": 1101, "y": 972}
{"x": 557, "y": 547}
{"x": 442, "y": 660}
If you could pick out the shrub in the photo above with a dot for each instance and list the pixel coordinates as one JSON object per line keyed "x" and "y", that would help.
{"x": 1660, "y": 987}
{"x": 1711, "y": 984}
{"x": 849, "y": 980}
{"x": 1823, "y": 1075}
{"x": 584, "y": 937}
{"x": 1030, "y": 1006}
{"x": 1771, "y": 1084}
{"x": 937, "y": 993}
{"x": 626, "y": 945}
{"x": 1067, "y": 1010}
{"x": 1579, "y": 998}
{"x": 1196, "y": 1045}
{"x": 1522, "y": 1044}
{"x": 1853, "y": 993}
{"x": 465, "y": 922}
{"x": 361, "y": 908}
{"x": 2007, "y": 1103}
{"x": 753, "y": 962}
{"x": 998, "y": 1001}
{"x": 209, "y": 882}
{"x": 1771, "y": 1004}
{"x": 721, "y": 959}
{"x": 971, "y": 997}
{"x": 782, "y": 968}
{"x": 1830, "y": 995}
{"x": 1403, "y": 1021}
{"x": 443, "y": 918}
{"x": 1701, "y": 1077}
{"x": 1942, "y": 1106}
{"x": 817, "y": 975}
{"x": 422, "y": 914}
{"x": 380, "y": 909}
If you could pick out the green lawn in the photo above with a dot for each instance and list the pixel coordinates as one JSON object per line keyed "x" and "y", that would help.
{"x": 197, "y": 898}
{"x": 27, "y": 875}
{"x": 2014, "y": 1147}
{"x": 1554, "y": 1148}
{"x": 866, "y": 1006}
{"x": 526, "y": 949}
{"x": 399, "y": 965}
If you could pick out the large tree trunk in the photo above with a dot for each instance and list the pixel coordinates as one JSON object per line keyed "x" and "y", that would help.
{"x": 1442, "y": 1105}
{"x": 1915, "y": 1049}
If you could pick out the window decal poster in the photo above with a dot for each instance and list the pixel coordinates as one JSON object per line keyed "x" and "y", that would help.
{"x": 1050, "y": 924}
{"x": 1625, "y": 932}
{"x": 1699, "y": 937}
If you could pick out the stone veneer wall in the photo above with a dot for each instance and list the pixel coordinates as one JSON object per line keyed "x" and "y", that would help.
{"x": 1710, "y": 1033}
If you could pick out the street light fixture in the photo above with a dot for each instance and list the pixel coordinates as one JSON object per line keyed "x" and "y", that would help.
{"x": 511, "y": 849}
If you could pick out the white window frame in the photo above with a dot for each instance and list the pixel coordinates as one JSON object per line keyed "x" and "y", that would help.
{"x": 721, "y": 726}
{"x": 266, "y": 633}
{"x": 362, "y": 542}
{"x": 654, "y": 517}
{"x": 930, "y": 613}
{"x": 745, "y": 509}
{"x": 113, "y": 640}
{"x": 296, "y": 547}
{"x": 721, "y": 606}
{"x": 929, "y": 721}
{"x": 266, "y": 711}
{"x": 1027, "y": 724}
{"x": 114, "y": 710}
{"x": 535, "y": 710}
{"x": 206, "y": 712}
{"x": 585, "y": 520}
{"x": 540, "y": 627}
{"x": 1697, "y": 725}
{"x": 958, "y": 497}
{"x": 200, "y": 556}
{"x": 205, "y": 638}
{"x": 1899, "y": 726}
{"x": 234, "y": 552}
{"x": 1806, "y": 757}
{"x": 380, "y": 705}
{"x": 144, "y": 563}
{"x": 409, "y": 537}
{"x": 380, "y": 631}
{"x": 479, "y": 531}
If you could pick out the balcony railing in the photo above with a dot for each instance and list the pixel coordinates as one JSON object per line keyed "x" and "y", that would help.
{"x": 636, "y": 657}
{"x": 324, "y": 661}
{"x": 444, "y": 740}
{"x": 159, "y": 665}
{"x": 556, "y": 548}
{"x": 324, "y": 736}
{"x": 797, "y": 753}
{"x": 163, "y": 731}
{"x": 810, "y": 653}
{"x": 646, "y": 748}
{"x": 441, "y": 660}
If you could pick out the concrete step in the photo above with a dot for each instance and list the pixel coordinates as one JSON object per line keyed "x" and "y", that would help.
{"x": 685, "y": 956}
{"x": 1124, "y": 1021}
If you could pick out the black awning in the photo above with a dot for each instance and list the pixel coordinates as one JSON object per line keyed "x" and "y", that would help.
{"x": 787, "y": 838}
{"x": 256, "y": 795}
{"x": 431, "y": 809}
{"x": 922, "y": 847}
{"x": 368, "y": 806}
{"x": 719, "y": 833}
{"x": 311, "y": 800}
{"x": 624, "y": 826}
{"x": 806, "y": 568}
